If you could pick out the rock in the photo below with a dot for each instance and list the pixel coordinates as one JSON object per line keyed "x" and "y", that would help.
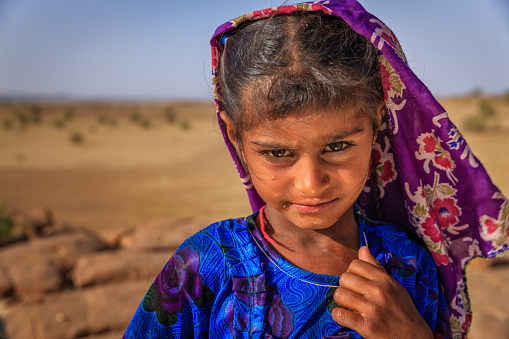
{"x": 63, "y": 249}
{"x": 32, "y": 223}
{"x": 10, "y": 240}
{"x": 35, "y": 275}
{"x": 113, "y": 236}
{"x": 76, "y": 314}
{"x": 111, "y": 308}
{"x": 109, "y": 335}
{"x": 58, "y": 229}
{"x": 5, "y": 284}
{"x": 59, "y": 317}
{"x": 17, "y": 324}
{"x": 110, "y": 267}
{"x": 39, "y": 266}
{"x": 164, "y": 234}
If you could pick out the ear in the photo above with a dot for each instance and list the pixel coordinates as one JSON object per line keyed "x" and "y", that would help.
{"x": 381, "y": 109}
{"x": 230, "y": 129}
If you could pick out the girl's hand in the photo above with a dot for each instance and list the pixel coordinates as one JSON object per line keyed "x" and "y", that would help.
{"x": 374, "y": 304}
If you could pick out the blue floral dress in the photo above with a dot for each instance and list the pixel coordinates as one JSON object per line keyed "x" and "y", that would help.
{"x": 227, "y": 282}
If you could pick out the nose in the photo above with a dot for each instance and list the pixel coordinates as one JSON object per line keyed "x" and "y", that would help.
{"x": 310, "y": 176}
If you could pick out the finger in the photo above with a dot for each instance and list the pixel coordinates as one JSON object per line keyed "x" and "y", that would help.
{"x": 347, "y": 318}
{"x": 349, "y": 299}
{"x": 355, "y": 282}
{"x": 365, "y": 269}
{"x": 365, "y": 255}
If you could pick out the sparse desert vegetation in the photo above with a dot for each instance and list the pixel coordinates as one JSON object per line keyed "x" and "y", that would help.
{"x": 135, "y": 153}
{"x": 109, "y": 167}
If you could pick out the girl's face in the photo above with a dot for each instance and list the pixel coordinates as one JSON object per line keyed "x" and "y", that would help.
{"x": 309, "y": 168}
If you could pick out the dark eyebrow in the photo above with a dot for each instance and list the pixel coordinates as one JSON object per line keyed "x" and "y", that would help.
{"x": 345, "y": 134}
{"x": 272, "y": 145}
{"x": 277, "y": 145}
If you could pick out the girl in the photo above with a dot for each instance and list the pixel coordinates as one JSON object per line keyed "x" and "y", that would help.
{"x": 329, "y": 129}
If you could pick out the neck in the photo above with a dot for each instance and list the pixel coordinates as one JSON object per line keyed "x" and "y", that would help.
{"x": 343, "y": 232}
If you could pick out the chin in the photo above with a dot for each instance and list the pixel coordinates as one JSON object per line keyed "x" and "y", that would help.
{"x": 315, "y": 222}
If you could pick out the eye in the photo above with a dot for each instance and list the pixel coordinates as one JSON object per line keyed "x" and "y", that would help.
{"x": 336, "y": 146}
{"x": 278, "y": 153}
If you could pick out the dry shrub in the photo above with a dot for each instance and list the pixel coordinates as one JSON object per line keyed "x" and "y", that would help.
{"x": 101, "y": 119}
{"x": 185, "y": 125}
{"x": 7, "y": 125}
{"x": 475, "y": 123}
{"x": 76, "y": 138}
{"x": 36, "y": 114}
{"x": 134, "y": 117}
{"x": 68, "y": 114}
{"x": 145, "y": 123}
{"x": 169, "y": 115}
{"x": 59, "y": 123}
{"x": 486, "y": 110}
{"x": 483, "y": 119}
{"x": 6, "y": 223}
{"x": 22, "y": 119}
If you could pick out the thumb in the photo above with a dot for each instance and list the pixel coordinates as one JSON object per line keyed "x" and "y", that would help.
{"x": 365, "y": 255}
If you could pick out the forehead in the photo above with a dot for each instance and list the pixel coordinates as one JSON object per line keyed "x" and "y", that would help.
{"x": 310, "y": 125}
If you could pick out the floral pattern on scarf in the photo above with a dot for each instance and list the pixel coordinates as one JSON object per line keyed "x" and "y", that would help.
{"x": 429, "y": 180}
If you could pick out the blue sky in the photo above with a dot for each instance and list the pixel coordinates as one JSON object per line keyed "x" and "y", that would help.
{"x": 159, "y": 49}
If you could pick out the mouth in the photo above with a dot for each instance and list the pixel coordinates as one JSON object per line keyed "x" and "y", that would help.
{"x": 313, "y": 206}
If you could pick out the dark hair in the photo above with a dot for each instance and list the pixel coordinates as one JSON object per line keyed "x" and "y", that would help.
{"x": 288, "y": 63}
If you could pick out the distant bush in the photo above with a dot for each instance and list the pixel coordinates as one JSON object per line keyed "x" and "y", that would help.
{"x": 59, "y": 123}
{"x": 6, "y": 223}
{"x": 101, "y": 119}
{"x": 36, "y": 114}
{"x": 474, "y": 123}
{"x": 22, "y": 119}
{"x": 7, "y": 124}
{"x": 185, "y": 125}
{"x": 77, "y": 138}
{"x": 135, "y": 117}
{"x": 486, "y": 110}
{"x": 145, "y": 123}
{"x": 169, "y": 115}
{"x": 482, "y": 119}
{"x": 68, "y": 114}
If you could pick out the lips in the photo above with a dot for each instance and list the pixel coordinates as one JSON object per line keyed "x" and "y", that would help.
{"x": 313, "y": 206}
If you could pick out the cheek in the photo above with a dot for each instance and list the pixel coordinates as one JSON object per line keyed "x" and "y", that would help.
{"x": 354, "y": 172}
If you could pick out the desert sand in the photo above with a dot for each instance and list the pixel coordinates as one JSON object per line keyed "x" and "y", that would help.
{"x": 115, "y": 165}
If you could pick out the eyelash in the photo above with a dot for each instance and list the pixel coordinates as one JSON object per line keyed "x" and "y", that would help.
{"x": 331, "y": 149}
{"x": 344, "y": 146}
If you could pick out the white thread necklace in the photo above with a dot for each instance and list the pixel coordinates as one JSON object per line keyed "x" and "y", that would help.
{"x": 282, "y": 270}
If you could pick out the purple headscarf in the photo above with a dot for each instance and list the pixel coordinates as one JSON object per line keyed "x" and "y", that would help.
{"x": 429, "y": 181}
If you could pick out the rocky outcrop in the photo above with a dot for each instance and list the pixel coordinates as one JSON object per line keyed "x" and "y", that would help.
{"x": 61, "y": 282}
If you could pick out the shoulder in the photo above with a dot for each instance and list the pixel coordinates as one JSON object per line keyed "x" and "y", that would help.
{"x": 396, "y": 240}
{"x": 216, "y": 235}
{"x": 206, "y": 250}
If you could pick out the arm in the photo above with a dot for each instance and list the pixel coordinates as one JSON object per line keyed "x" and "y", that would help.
{"x": 178, "y": 303}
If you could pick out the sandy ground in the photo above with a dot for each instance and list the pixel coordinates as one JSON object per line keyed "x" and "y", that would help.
{"x": 123, "y": 174}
